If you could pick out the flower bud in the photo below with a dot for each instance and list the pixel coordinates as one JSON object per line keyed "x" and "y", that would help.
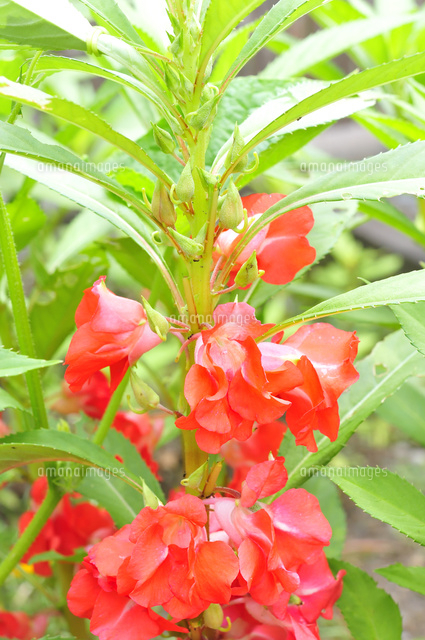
{"x": 234, "y": 151}
{"x": 209, "y": 180}
{"x": 149, "y": 497}
{"x": 208, "y": 92}
{"x": 248, "y": 273}
{"x": 190, "y": 247}
{"x": 163, "y": 139}
{"x": 63, "y": 426}
{"x": 162, "y": 207}
{"x": 157, "y": 322}
{"x": 213, "y": 616}
{"x": 198, "y": 119}
{"x": 145, "y": 396}
{"x": 197, "y": 479}
{"x": 231, "y": 212}
{"x": 185, "y": 187}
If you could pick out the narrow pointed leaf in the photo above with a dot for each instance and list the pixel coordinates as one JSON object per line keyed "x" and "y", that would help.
{"x": 412, "y": 319}
{"x": 412, "y": 578}
{"x": 111, "y": 13}
{"x": 13, "y": 364}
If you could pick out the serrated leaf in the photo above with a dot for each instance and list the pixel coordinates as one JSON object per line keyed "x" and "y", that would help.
{"x": 111, "y": 13}
{"x": 388, "y": 214}
{"x": 370, "y": 612}
{"x": 46, "y": 445}
{"x": 404, "y": 410}
{"x": 27, "y": 218}
{"x": 13, "y": 364}
{"x": 49, "y": 25}
{"x": 412, "y": 319}
{"x": 9, "y": 402}
{"x": 382, "y": 372}
{"x": 80, "y": 117}
{"x": 412, "y": 578}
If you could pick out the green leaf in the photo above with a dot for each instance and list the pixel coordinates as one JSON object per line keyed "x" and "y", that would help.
{"x": 9, "y": 402}
{"x": 332, "y": 509}
{"x": 404, "y": 410}
{"x": 388, "y": 214}
{"x": 122, "y": 502}
{"x": 326, "y": 44}
{"x": 47, "y": 445}
{"x": 412, "y": 578}
{"x": 27, "y": 219}
{"x": 382, "y": 372}
{"x": 370, "y": 612}
{"x": 13, "y": 364}
{"x": 221, "y": 17}
{"x": 397, "y": 290}
{"x": 49, "y": 25}
{"x": 385, "y": 496}
{"x": 110, "y": 12}
{"x": 80, "y": 117}
{"x": 55, "y": 556}
{"x": 349, "y": 86}
{"x": 412, "y": 319}
{"x": 280, "y": 16}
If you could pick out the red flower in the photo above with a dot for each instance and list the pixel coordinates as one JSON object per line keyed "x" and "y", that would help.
{"x": 282, "y": 248}
{"x": 162, "y": 559}
{"x": 227, "y": 388}
{"x": 262, "y": 480}
{"x": 20, "y": 626}
{"x": 70, "y": 527}
{"x": 274, "y": 542}
{"x": 324, "y": 355}
{"x": 111, "y": 332}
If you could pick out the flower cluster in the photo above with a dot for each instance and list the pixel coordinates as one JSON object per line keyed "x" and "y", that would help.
{"x": 20, "y": 626}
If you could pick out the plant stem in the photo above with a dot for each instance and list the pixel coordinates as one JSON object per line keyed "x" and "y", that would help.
{"x": 23, "y": 328}
{"x": 15, "y": 555}
{"x": 77, "y": 626}
{"x": 111, "y": 410}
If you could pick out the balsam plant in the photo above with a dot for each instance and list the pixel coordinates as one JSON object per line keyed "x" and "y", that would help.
{"x": 239, "y": 549}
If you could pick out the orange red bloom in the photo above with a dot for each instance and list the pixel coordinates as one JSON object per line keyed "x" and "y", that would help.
{"x": 282, "y": 247}
{"x": 111, "y": 332}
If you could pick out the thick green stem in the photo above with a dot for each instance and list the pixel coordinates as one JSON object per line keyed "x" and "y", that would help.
{"x": 22, "y": 323}
{"x": 31, "y": 532}
{"x": 77, "y": 626}
{"x": 111, "y": 411}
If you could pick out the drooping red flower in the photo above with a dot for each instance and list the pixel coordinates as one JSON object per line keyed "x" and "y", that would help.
{"x": 143, "y": 430}
{"x": 282, "y": 247}
{"x": 72, "y": 525}
{"x": 274, "y": 542}
{"x": 111, "y": 332}
{"x": 227, "y": 388}
{"x": 324, "y": 356}
{"x": 20, "y": 626}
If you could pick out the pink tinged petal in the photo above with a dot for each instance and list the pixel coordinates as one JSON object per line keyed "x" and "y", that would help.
{"x": 215, "y": 568}
{"x": 252, "y": 561}
{"x": 190, "y": 507}
{"x": 263, "y": 480}
{"x": 116, "y": 616}
{"x": 109, "y": 554}
{"x": 199, "y": 384}
{"x": 224, "y": 510}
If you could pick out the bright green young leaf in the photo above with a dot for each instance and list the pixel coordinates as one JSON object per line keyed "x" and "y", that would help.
{"x": 397, "y": 290}
{"x": 385, "y": 496}
{"x": 13, "y": 364}
{"x": 55, "y": 556}
{"x": 81, "y": 117}
{"x": 412, "y": 578}
{"x": 382, "y": 372}
{"x": 412, "y": 319}
{"x": 388, "y": 214}
{"x": 9, "y": 402}
{"x": 326, "y": 44}
{"x": 369, "y": 611}
{"x": 281, "y": 16}
{"x": 27, "y": 219}
{"x": 221, "y": 17}
{"x": 389, "y": 130}
{"x": 48, "y": 24}
{"x": 404, "y": 410}
{"x": 111, "y": 13}
{"x": 46, "y": 445}
{"x": 349, "y": 86}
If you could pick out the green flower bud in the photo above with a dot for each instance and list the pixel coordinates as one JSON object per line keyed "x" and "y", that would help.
{"x": 248, "y": 273}
{"x": 209, "y": 180}
{"x": 208, "y": 92}
{"x": 198, "y": 119}
{"x": 163, "y": 139}
{"x": 157, "y": 322}
{"x": 63, "y": 426}
{"x": 231, "y": 212}
{"x": 177, "y": 45}
{"x": 234, "y": 151}
{"x": 197, "y": 479}
{"x": 145, "y": 396}
{"x": 190, "y": 247}
{"x": 185, "y": 188}
{"x": 162, "y": 207}
{"x": 149, "y": 497}
{"x": 213, "y": 616}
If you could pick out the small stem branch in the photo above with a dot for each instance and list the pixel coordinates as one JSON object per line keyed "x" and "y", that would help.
{"x": 111, "y": 411}
{"x": 31, "y": 532}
